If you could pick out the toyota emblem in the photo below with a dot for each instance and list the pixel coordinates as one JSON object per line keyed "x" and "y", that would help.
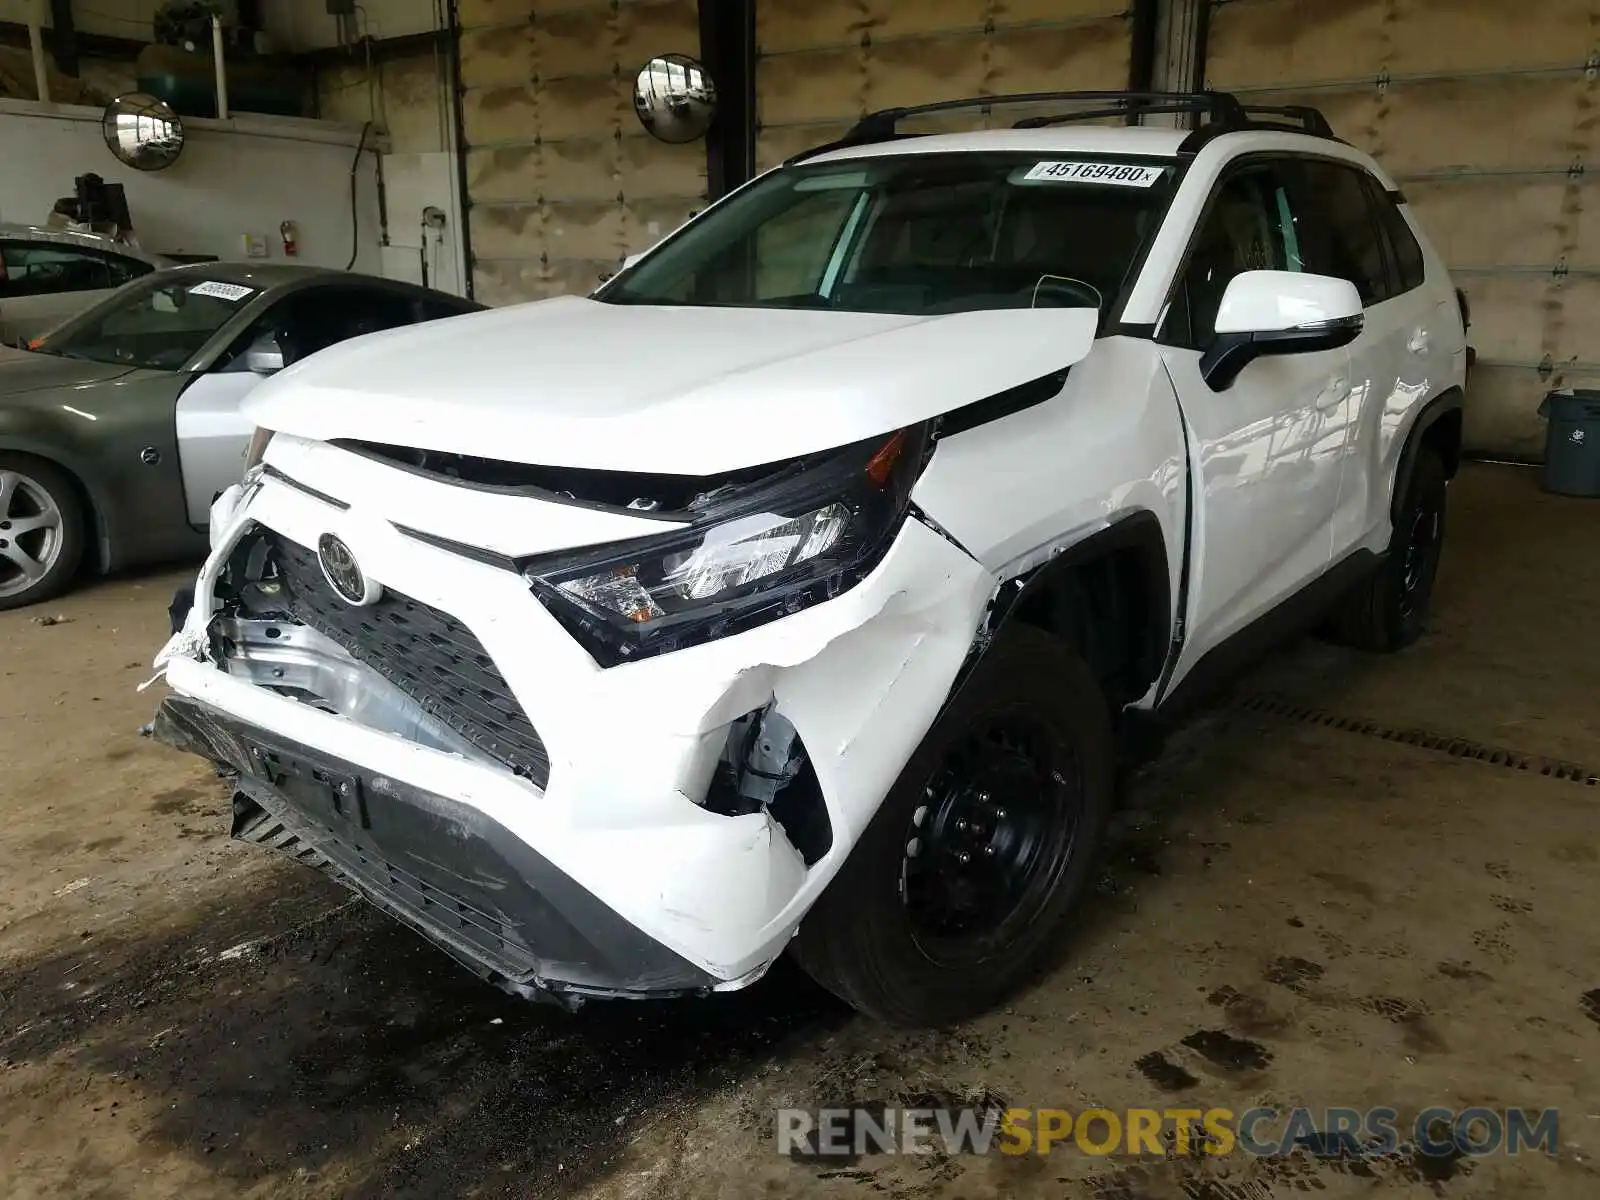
{"x": 344, "y": 574}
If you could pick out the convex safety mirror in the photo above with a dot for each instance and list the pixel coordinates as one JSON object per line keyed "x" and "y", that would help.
{"x": 675, "y": 98}
{"x": 142, "y": 132}
{"x": 1279, "y": 312}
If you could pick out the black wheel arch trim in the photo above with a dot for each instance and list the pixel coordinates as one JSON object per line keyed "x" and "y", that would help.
{"x": 1441, "y": 406}
{"x": 1140, "y": 531}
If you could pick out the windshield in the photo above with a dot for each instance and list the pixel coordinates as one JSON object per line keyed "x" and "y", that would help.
{"x": 915, "y": 234}
{"x": 160, "y": 322}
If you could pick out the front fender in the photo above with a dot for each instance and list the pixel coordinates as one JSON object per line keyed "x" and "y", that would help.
{"x": 103, "y": 437}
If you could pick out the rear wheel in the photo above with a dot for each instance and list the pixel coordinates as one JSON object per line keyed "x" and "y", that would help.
{"x": 1386, "y": 612}
{"x": 41, "y": 530}
{"x": 963, "y": 880}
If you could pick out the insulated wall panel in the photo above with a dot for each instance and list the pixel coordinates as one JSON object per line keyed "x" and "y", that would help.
{"x": 562, "y": 181}
{"x": 1482, "y": 109}
{"x": 823, "y": 63}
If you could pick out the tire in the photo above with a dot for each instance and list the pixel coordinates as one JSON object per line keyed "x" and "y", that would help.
{"x": 41, "y": 530}
{"x": 1386, "y": 613}
{"x": 1033, "y": 734}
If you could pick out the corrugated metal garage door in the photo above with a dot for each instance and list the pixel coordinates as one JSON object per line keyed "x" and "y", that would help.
{"x": 823, "y": 63}
{"x": 561, "y": 178}
{"x": 1484, "y": 110}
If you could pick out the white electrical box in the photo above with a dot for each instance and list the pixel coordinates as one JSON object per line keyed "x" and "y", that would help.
{"x": 255, "y": 245}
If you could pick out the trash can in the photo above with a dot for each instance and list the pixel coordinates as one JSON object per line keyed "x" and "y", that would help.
{"x": 1572, "y": 442}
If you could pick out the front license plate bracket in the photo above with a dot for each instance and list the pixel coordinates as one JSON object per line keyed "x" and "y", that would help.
{"x": 319, "y": 788}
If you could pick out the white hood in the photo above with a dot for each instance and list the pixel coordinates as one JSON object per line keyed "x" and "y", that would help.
{"x": 691, "y": 391}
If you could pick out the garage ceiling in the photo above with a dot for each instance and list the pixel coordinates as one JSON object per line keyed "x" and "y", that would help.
{"x": 823, "y": 63}
{"x": 1482, "y": 109}
{"x": 561, "y": 178}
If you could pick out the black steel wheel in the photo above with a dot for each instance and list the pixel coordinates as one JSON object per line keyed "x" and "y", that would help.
{"x": 1419, "y": 555}
{"x": 985, "y": 852}
{"x": 961, "y": 884}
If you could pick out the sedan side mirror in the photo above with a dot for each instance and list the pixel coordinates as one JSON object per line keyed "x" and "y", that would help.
{"x": 1279, "y": 312}
{"x": 264, "y": 357}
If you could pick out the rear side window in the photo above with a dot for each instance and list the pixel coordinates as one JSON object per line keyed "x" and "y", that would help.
{"x": 44, "y": 269}
{"x": 1405, "y": 252}
{"x": 1339, "y": 234}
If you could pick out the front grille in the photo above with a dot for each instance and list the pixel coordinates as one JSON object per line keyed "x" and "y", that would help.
{"x": 428, "y": 654}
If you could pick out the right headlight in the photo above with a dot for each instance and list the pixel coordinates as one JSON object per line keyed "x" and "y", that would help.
{"x": 758, "y": 554}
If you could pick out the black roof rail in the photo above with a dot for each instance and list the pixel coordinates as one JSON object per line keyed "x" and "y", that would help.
{"x": 1284, "y": 118}
{"x": 1215, "y": 106}
{"x": 883, "y": 125}
{"x": 1223, "y": 113}
{"x": 1218, "y": 104}
{"x": 1309, "y": 119}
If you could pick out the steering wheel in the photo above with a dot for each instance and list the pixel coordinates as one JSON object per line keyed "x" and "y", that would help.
{"x": 1087, "y": 295}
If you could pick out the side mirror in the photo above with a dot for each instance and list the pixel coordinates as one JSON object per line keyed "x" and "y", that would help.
{"x": 264, "y": 357}
{"x": 1279, "y": 312}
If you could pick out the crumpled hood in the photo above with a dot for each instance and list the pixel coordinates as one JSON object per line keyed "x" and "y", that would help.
{"x": 23, "y": 371}
{"x": 676, "y": 390}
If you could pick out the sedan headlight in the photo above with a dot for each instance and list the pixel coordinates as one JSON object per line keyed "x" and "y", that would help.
{"x": 751, "y": 556}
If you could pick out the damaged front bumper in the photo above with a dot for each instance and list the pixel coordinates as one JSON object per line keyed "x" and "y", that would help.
{"x": 608, "y": 868}
{"x": 454, "y": 875}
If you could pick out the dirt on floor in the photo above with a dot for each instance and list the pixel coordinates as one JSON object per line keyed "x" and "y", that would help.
{"x": 1356, "y": 882}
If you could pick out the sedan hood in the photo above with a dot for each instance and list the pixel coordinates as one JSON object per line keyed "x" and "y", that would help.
{"x": 574, "y": 382}
{"x": 24, "y": 371}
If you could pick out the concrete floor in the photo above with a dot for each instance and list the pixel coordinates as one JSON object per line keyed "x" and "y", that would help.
{"x": 1372, "y": 922}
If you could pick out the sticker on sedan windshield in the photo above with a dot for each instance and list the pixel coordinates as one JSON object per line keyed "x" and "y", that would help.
{"x": 1116, "y": 174}
{"x": 232, "y": 292}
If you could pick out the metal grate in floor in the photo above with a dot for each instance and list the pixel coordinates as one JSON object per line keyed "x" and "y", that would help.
{"x": 1456, "y": 747}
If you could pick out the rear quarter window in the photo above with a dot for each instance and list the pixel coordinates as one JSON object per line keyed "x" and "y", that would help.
{"x": 1409, "y": 268}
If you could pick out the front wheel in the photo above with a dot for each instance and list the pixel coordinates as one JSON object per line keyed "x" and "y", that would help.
{"x": 963, "y": 880}
{"x": 41, "y": 530}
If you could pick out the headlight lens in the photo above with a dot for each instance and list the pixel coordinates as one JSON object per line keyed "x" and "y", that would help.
{"x": 762, "y": 553}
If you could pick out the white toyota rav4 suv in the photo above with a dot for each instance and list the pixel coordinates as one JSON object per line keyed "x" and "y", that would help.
{"x": 799, "y": 587}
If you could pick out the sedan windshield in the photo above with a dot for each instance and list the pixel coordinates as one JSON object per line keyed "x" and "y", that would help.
{"x": 915, "y": 234}
{"x": 160, "y": 322}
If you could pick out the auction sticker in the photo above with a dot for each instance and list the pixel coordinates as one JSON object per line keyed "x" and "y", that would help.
{"x": 1115, "y": 174}
{"x": 215, "y": 288}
